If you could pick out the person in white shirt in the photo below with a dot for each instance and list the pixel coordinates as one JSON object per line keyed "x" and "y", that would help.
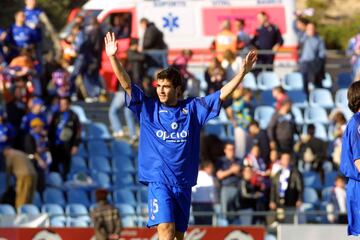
{"x": 336, "y": 207}
{"x": 204, "y": 194}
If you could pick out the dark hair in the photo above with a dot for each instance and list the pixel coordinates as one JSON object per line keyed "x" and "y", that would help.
{"x": 171, "y": 74}
{"x": 311, "y": 129}
{"x": 340, "y": 177}
{"x": 205, "y": 164}
{"x": 240, "y": 20}
{"x": 144, "y": 20}
{"x": 303, "y": 20}
{"x": 353, "y": 96}
{"x": 263, "y": 13}
{"x": 255, "y": 123}
{"x": 279, "y": 88}
{"x": 134, "y": 41}
{"x": 101, "y": 194}
{"x": 229, "y": 142}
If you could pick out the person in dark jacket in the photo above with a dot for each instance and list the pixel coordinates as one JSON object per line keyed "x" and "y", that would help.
{"x": 282, "y": 128}
{"x": 260, "y": 138}
{"x": 135, "y": 62}
{"x": 286, "y": 189}
{"x": 64, "y": 136}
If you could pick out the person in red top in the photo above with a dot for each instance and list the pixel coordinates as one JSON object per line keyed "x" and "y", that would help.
{"x": 280, "y": 96}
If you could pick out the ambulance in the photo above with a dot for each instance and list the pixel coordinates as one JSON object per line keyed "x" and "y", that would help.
{"x": 192, "y": 24}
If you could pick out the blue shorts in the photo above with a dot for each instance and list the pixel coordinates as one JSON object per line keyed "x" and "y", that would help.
{"x": 169, "y": 204}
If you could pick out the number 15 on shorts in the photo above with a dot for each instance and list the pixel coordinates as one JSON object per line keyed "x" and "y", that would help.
{"x": 154, "y": 208}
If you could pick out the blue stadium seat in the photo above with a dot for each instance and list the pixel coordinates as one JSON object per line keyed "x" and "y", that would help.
{"x": 341, "y": 98}
{"x": 77, "y": 211}
{"x": 298, "y": 98}
{"x": 315, "y": 115}
{"x": 293, "y": 81}
{"x": 82, "y": 152}
{"x": 29, "y": 209}
{"x": 53, "y": 179}
{"x": 217, "y": 129}
{"x": 58, "y": 222}
{"x": 329, "y": 178}
{"x": 120, "y": 147}
{"x": 312, "y": 180}
{"x": 78, "y": 164}
{"x": 77, "y": 223}
{"x": 311, "y": 196}
{"x": 344, "y": 80}
{"x": 54, "y": 195}
{"x": 124, "y": 196}
{"x": 299, "y": 119}
{"x": 99, "y": 164}
{"x": 53, "y": 210}
{"x": 3, "y": 181}
{"x": 126, "y": 209}
{"x": 320, "y": 131}
{"x": 123, "y": 180}
{"x": 97, "y": 130}
{"x": 250, "y": 81}
{"x": 327, "y": 81}
{"x": 327, "y": 166}
{"x": 98, "y": 148}
{"x": 326, "y": 194}
{"x": 123, "y": 163}
{"x": 263, "y": 115}
{"x": 37, "y": 201}
{"x": 102, "y": 179}
{"x": 268, "y": 80}
{"x": 7, "y": 209}
{"x": 321, "y": 97}
{"x": 80, "y": 112}
{"x": 128, "y": 221}
{"x": 266, "y": 98}
{"x": 78, "y": 196}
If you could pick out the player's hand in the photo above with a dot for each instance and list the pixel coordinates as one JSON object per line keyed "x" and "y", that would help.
{"x": 110, "y": 44}
{"x": 250, "y": 60}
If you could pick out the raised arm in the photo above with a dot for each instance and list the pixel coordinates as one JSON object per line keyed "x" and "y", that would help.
{"x": 121, "y": 74}
{"x": 228, "y": 88}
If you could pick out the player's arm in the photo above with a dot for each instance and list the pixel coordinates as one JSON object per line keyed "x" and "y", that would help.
{"x": 357, "y": 164}
{"x": 228, "y": 88}
{"x": 121, "y": 74}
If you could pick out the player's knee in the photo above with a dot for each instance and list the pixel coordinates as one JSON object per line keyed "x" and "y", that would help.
{"x": 166, "y": 231}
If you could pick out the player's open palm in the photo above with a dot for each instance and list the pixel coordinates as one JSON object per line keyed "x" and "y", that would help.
{"x": 250, "y": 60}
{"x": 110, "y": 44}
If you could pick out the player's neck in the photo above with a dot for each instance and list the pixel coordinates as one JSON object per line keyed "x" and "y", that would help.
{"x": 171, "y": 104}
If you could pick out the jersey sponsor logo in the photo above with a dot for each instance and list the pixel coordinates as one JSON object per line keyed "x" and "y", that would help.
{"x": 173, "y": 137}
{"x": 174, "y": 125}
{"x": 185, "y": 111}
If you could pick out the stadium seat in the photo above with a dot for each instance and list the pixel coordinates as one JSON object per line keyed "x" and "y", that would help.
{"x": 3, "y": 181}
{"x": 326, "y": 194}
{"x": 298, "y": 98}
{"x": 102, "y": 179}
{"x": 312, "y": 180}
{"x": 122, "y": 163}
{"x": 126, "y": 210}
{"x": 80, "y": 112}
{"x": 315, "y": 115}
{"x": 98, "y": 148}
{"x": 266, "y": 98}
{"x": 250, "y": 81}
{"x": 293, "y": 81}
{"x": 311, "y": 196}
{"x": 78, "y": 163}
{"x": 327, "y": 166}
{"x": 124, "y": 196}
{"x": 344, "y": 80}
{"x": 58, "y": 222}
{"x": 78, "y": 212}
{"x": 97, "y": 130}
{"x": 54, "y": 195}
{"x": 321, "y": 97}
{"x": 37, "y": 199}
{"x": 120, "y": 148}
{"x": 329, "y": 178}
{"x": 7, "y": 209}
{"x": 123, "y": 180}
{"x": 341, "y": 98}
{"x": 53, "y": 210}
{"x": 327, "y": 81}
{"x": 267, "y": 80}
{"x": 78, "y": 196}
{"x": 77, "y": 223}
{"x": 82, "y": 152}
{"x": 128, "y": 221}
{"x": 299, "y": 119}
{"x": 263, "y": 115}
{"x": 99, "y": 164}
{"x": 53, "y": 179}
{"x": 217, "y": 129}
{"x": 320, "y": 131}
{"x": 29, "y": 209}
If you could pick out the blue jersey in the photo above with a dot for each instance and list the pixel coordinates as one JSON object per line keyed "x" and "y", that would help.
{"x": 170, "y": 136}
{"x": 32, "y": 19}
{"x": 351, "y": 148}
{"x": 21, "y": 36}
{"x": 26, "y": 120}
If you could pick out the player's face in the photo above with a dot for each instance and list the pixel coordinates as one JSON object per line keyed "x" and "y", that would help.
{"x": 166, "y": 92}
{"x": 30, "y": 3}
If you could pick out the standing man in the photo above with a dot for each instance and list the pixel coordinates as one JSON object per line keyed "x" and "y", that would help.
{"x": 267, "y": 37}
{"x": 170, "y": 139}
{"x": 350, "y": 160}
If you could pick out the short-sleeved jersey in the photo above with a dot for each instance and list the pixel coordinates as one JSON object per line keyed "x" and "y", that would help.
{"x": 21, "y": 36}
{"x": 350, "y": 151}
{"x": 32, "y": 19}
{"x": 170, "y": 136}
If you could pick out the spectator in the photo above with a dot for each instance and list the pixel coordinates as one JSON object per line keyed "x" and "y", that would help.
{"x": 353, "y": 50}
{"x": 312, "y": 150}
{"x": 106, "y": 218}
{"x": 260, "y": 138}
{"x": 250, "y": 192}
{"x": 241, "y": 111}
{"x": 243, "y": 38}
{"x": 274, "y": 163}
{"x": 231, "y": 63}
{"x": 225, "y": 40}
{"x": 36, "y": 146}
{"x": 64, "y": 137}
{"x": 282, "y": 129}
{"x": 204, "y": 194}
{"x": 7, "y": 135}
{"x": 280, "y": 96}
{"x": 120, "y": 26}
{"x": 267, "y": 37}
{"x": 339, "y": 123}
{"x": 215, "y": 75}
{"x": 19, "y": 165}
{"x": 286, "y": 189}
{"x": 312, "y": 59}
{"x": 300, "y": 28}
{"x": 135, "y": 62}
{"x": 15, "y": 99}
{"x": 36, "y": 106}
{"x": 254, "y": 161}
{"x": 336, "y": 206}
{"x": 59, "y": 85}
{"x": 228, "y": 173}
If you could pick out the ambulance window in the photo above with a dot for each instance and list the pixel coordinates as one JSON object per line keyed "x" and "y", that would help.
{"x": 119, "y": 23}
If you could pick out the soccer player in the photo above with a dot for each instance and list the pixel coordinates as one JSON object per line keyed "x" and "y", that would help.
{"x": 169, "y": 140}
{"x": 350, "y": 160}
